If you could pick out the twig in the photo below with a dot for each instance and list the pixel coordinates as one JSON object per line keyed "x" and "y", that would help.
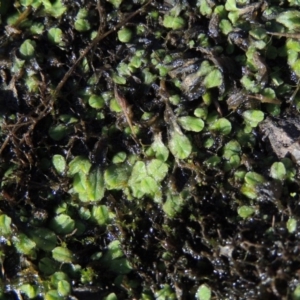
{"x": 102, "y": 16}
{"x": 125, "y": 107}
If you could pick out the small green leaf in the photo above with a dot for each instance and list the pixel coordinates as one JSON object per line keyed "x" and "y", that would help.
{"x": 205, "y": 68}
{"x": 18, "y": 65}
{"x": 144, "y": 178}
{"x": 57, "y": 277}
{"x": 269, "y": 93}
{"x": 23, "y": 244}
{"x": 89, "y": 187}
{"x": 139, "y": 171}
{"x": 55, "y": 35}
{"x": 205, "y": 8}
{"x": 62, "y": 224}
{"x": 47, "y": 265}
{"x": 232, "y": 163}
{"x": 95, "y": 191}
{"x": 82, "y": 25}
{"x": 201, "y": 112}
{"x": 5, "y": 222}
{"x": 158, "y": 149}
{"x": 58, "y": 132}
{"x": 296, "y": 67}
{"x": 59, "y": 163}
{"x": 27, "y": 49}
{"x": 208, "y": 143}
{"x": 124, "y": 35}
{"x": 116, "y": 176}
{"x": 84, "y": 213}
{"x": 44, "y": 238}
{"x": 68, "y": 119}
{"x": 148, "y": 77}
{"x": 203, "y": 292}
{"x": 213, "y": 161}
{"x": 292, "y": 44}
{"x": 291, "y": 225}
{"x": 147, "y": 186}
{"x": 278, "y": 171}
{"x": 87, "y": 275}
{"x": 225, "y": 26}
{"x": 157, "y": 169}
{"x": 115, "y": 3}
{"x": 231, "y": 5}
{"x": 254, "y": 178}
{"x": 174, "y": 23}
{"x": 252, "y": 181}
{"x": 32, "y": 84}
{"x": 124, "y": 69}
{"x": 28, "y": 290}
{"x": 79, "y": 164}
{"x": 114, "y": 251}
{"x": 37, "y": 28}
{"x": 221, "y": 126}
{"x": 141, "y": 183}
{"x": 82, "y": 13}
{"x": 174, "y": 100}
{"x": 249, "y": 84}
{"x": 296, "y": 293}
{"x": 96, "y": 101}
{"x": 53, "y": 295}
{"x": 63, "y": 288}
{"x": 119, "y": 157}
{"x": 135, "y": 62}
{"x": 80, "y": 185}
{"x": 119, "y": 80}
{"x": 24, "y": 2}
{"x": 100, "y": 214}
{"x": 165, "y": 293}
{"x": 290, "y": 19}
{"x": 120, "y": 266}
{"x": 179, "y": 145}
{"x": 253, "y": 117}
{"x": 191, "y": 123}
{"x": 163, "y": 70}
{"x": 114, "y": 259}
{"x": 249, "y": 191}
{"x": 258, "y": 33}
{"x": 213, "y": 79}
{"x": 56, "y": 9}
{"x": 245, "y": 211}
{"x": 173, "y": 205}
{"x": 62, "y": 254}
{"x": 111, "y": 296}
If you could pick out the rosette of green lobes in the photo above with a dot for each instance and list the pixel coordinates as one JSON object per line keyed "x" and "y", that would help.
{"x": 146, "y": 177}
